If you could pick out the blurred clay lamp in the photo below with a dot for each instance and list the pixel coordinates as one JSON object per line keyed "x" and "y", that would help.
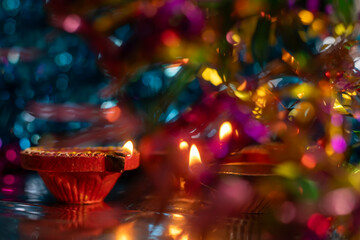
{"x": 253, "y": 164}
{"x": 80, "y": 175}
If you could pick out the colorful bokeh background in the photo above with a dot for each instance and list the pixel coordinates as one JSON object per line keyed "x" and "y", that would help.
{"x": 284, "y": 74}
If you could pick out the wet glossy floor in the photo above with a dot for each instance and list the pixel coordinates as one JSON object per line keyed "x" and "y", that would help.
{"x": 28, "y": 211}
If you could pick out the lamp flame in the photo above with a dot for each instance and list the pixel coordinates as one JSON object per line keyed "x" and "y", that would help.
{"x": 183, "y": 145}
{"x": 194, "y": 157}
{"x": 129, "y": 147}
{"x": 225, "y": 130}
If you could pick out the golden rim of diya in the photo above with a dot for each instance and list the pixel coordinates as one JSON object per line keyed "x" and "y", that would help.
{"x": 247, "y": 169}
{"x": 74, "y": 159}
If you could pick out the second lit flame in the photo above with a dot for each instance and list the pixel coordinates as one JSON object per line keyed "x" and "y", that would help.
{"x": 129, "y": 147}
{"x": 225, "y": 131}
{"x": 194, "y": 157}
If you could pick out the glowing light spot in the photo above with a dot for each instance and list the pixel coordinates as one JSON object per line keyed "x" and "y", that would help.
{"x": 338, "y": 143}
{"x": 116, "y": 41}
{"x": 112, "y": 114}
{"x": 184, "y": 237}
{"x": 318, "y": 25}
{"x": 233, "y": 38}
{"x": 194, "y": 156}
{"x": 71, "y": 23}
{"x": 10, "y": 5}
{"x": 125, "y": 231}
{"x": 13, "y": 56}
{"x": 242, "y": 86}
{"x": 171, "y": 71}
{"x": 24, "y": 143}
{"x": 340, "y": 29}
{"x": 308, "y": 160}
{"x": 288, "y": 170}
{"x": 244, "y": 95}
{"x": 261, "y": 92}
{"x": 306, "y": 17}
{"x": 303, "y": 90}
{"x": 225, "y": 131}
{"x": 328, "y": 41}
{"x": 108, "y": 104}
{"x": 10, "y": 155}
{"x": 354, "y": 179}
{"x": 9, "y": 179}
{"x": 35, "y": 139}
{"x": 170, "y": 38}
{"x": 129, "y": 147}
{"x": 319, "y": 224}
{"x": 329, "y": 150}
{"x": 211, "y": 75}
{"x": 8, "y": 190}
{"x": 183, "y": 145}
{"x": 340, "y": 202}
{"x": 174, "y": 231}
{"x": 177, "y": 216}
{"x": 357, "y": 63}
{"x": 63, "y": 59}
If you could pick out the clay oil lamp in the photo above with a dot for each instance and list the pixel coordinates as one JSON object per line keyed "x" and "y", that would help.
{"x": 80, "y": 175}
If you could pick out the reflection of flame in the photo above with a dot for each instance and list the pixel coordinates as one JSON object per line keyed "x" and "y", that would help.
{"x": 194, "y": 157}
{"x": 225, "y": 130}
{"x": 183, "y": 145}
{"x": 125, "y": 231}
{"x": 128, "y": 146}
{"x": 174, "y": 231}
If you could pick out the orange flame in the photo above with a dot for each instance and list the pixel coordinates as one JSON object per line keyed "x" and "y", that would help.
{"x": 194, "y": 157}
{"x": 183, "y": 145}
{"x": 225, "y": 131}
{"x": 129, "y": 147}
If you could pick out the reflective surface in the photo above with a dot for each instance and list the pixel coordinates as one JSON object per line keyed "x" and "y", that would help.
{"x": 28, "y": 211}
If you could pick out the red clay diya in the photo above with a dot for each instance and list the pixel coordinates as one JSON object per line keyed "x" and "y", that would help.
{"x": 80, "y": 175}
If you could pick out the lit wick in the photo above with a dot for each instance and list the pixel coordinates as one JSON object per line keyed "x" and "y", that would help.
{"x": 194, "y": 157}
{"x": 221, "y": 149}
{"x": 129, "y": 148}
{"x": 196, "y": 170}
{"x": 225, "y": 131}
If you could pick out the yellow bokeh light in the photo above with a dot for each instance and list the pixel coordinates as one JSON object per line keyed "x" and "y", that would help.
{"x": 306, "y": 17}
{"x": 211, "y": 75}
{"x": 236, "y": 38}
{"x": 261, "y": 92}
{"x": 288, "y": 170}
{"x": 303, "y": 90}
{"x": 340, "y": 29}
{"x": 318, "y": 25}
